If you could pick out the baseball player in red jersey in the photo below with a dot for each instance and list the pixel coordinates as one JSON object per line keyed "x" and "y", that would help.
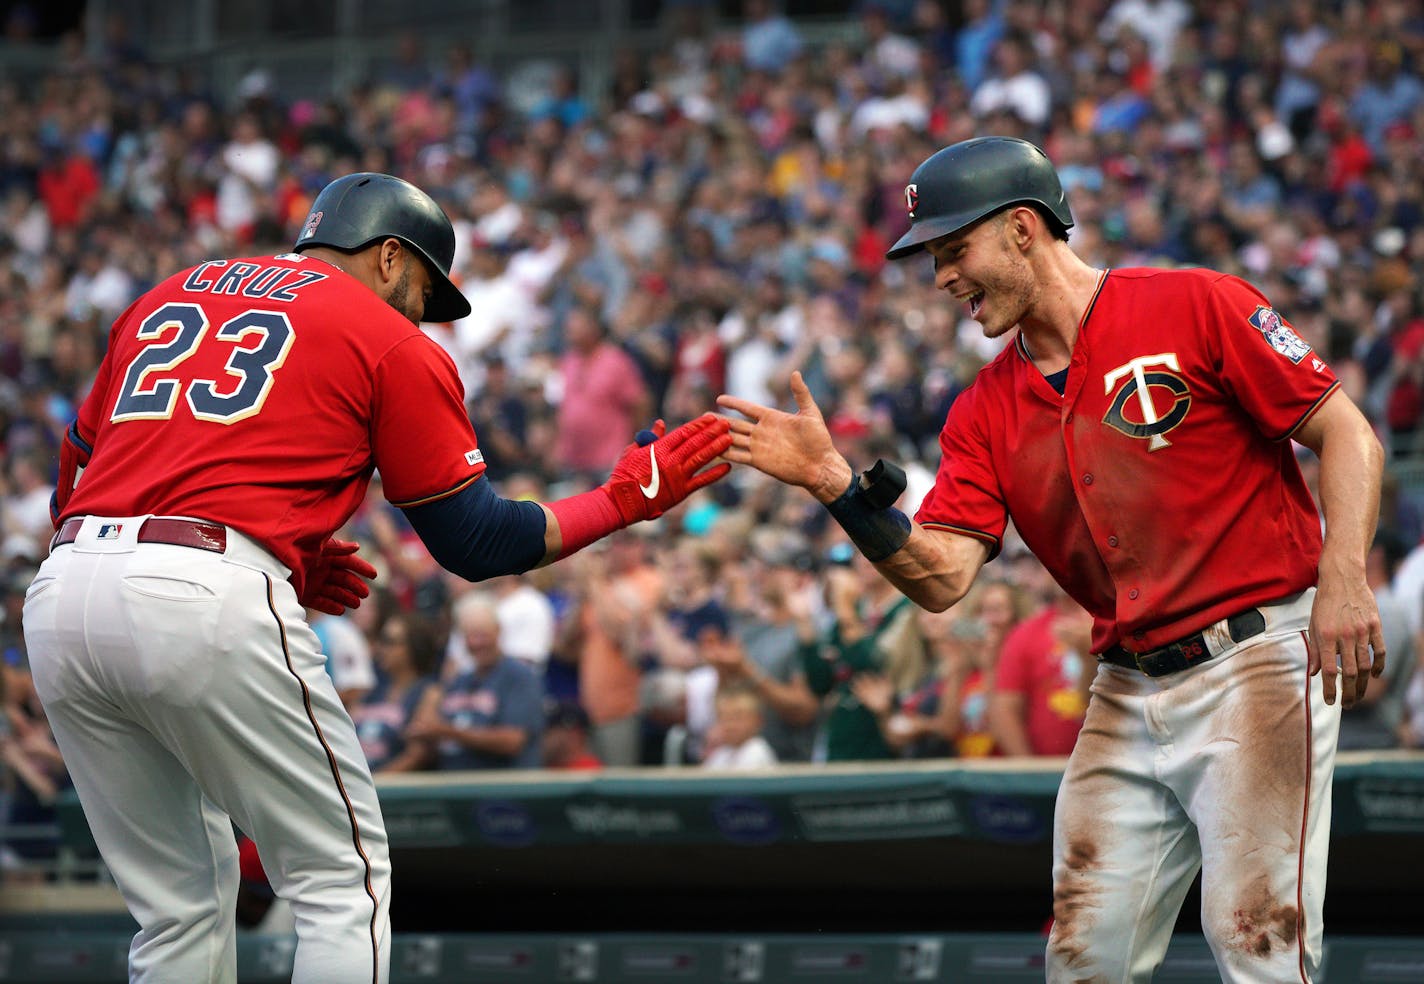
{"x": 233, "y": 426}
{"x": 1137, "y": 430}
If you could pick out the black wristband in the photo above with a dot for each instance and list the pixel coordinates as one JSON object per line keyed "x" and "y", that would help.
{"x": 865, "y": 512}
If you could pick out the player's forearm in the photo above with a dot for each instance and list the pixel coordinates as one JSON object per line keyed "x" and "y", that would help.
{"x": 934, "y": 569}
{"x": 1351, "y": 463}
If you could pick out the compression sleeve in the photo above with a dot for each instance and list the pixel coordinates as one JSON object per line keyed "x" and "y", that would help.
{"x": 476, "y": 534}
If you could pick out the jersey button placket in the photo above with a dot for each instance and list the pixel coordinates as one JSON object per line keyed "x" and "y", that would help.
{"x": 1088, "y": 479}
{"x": 1112, "y": 541}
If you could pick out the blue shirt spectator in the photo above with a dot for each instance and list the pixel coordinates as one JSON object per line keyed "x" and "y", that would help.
{"x": 769, "y": 40}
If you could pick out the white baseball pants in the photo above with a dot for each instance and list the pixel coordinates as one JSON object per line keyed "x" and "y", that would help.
{"x": 185, "y": 688}
{"x": 1224, "y": 768}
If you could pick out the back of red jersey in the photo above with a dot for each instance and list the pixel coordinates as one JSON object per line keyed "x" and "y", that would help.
{"x": 260, "y": 393}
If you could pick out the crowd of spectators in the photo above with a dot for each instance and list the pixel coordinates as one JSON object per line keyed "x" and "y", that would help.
{"x": 713, "y": 218}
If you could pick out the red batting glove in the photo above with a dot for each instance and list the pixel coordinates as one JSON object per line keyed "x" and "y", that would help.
{"x": 653, "y": 474}
{"x": 337, "y": 580}
{"x": 651, "y": 478}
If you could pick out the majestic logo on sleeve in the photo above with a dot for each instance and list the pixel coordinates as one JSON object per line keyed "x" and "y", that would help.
{"x": 912, "y": 198}
{"x": 1162, "y": 399}
{"x": 1279, "y": 334}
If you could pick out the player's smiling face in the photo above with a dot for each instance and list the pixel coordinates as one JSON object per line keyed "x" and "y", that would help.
{"x": 985, "y": 272}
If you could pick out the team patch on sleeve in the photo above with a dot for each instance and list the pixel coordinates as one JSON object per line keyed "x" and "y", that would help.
{"x": 1279, "y": 334}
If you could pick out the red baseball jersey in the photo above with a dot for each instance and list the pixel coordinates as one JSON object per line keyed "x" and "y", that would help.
{"x": 260, "y": 393}
{"x": 1161, "y": 490}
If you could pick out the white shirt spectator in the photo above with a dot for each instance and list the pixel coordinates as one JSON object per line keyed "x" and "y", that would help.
{"x": 1025, "y": 94}
{"x": 889, "y": 114}
{"x": 252, "y": 163}
{"x": 754, "y": 753}
{"x": 502, "y": 321}
{"x": 526, "y": 626}
{"x": 1158, "y": 22}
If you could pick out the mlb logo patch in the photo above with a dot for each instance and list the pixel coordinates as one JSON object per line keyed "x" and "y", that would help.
{"x": 474, "y": 457}
{"x": 1279, "y": 334}
{"x": 110, "y": 531}
{"x": 313, "y": 221}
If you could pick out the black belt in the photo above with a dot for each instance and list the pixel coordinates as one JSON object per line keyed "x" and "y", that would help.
{"x": 160, "y": 529}
{"x": 1191, "y": 651}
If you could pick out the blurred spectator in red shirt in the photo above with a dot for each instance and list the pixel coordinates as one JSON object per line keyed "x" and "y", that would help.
{"x": 1039, "y": 695}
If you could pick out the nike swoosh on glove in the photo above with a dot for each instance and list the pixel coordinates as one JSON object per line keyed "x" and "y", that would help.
{"x": 661, "y": 469}
{"x": 337, "y": 580}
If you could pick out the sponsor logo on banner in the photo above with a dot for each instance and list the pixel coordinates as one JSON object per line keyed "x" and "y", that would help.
{"x": 745, "y": 820}
{"x": 820, "y": 962}
{"x": 888, "y": 815}
{"x": 578, "y": 960}
{"x": 1008, "y": 819}
{"x": 419, "y": 957}
{"x": 661, "y": 962}
{"x": 418, "y": 825}
{"x": 599, "y": 819}
{"x": 1386, "y": 965}
{"x": 743, "y": 962}
{"x": 919, "y": 960}
{"x": 506, "y": 824}
{"x": 496, "y": 961}
{"x": 1391, "y": 805}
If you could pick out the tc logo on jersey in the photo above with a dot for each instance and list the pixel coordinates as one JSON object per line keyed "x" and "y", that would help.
{"x": 313, "y": 221}
{"x": 1279, "y": 333}
{"x": 1138, "y": 381}
{"x": 109, "y": 531}
{"x": 912, "y": 198}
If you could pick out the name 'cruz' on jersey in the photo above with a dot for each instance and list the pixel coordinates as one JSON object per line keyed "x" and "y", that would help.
{"x": 252, "y": 279}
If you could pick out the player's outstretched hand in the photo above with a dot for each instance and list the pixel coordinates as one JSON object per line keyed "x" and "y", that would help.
{"x": 1344, "y": 628}
{"x": 795, "y": 447}
{"x": 662, "y": 468}
{"x": 337, "y": 581}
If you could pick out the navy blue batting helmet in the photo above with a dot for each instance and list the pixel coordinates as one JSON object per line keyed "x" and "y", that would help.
{"x": 972, "y": 179}
{"x": 355, "y": 211}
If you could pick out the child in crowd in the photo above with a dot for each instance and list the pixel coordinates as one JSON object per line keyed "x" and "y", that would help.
{"x": 736, "y": 738}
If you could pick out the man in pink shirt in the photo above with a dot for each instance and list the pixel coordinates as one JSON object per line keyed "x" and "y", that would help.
{"x": 604, "y": 396}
